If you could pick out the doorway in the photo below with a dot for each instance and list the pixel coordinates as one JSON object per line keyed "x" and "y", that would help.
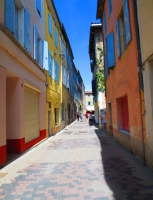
{"x": 49, "y": 124}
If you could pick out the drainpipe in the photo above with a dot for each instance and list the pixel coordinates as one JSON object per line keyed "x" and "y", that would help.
{"x": 140, "y": 71}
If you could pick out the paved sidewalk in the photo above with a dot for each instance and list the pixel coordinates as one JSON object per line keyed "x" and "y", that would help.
{"x": 81, "y": 162}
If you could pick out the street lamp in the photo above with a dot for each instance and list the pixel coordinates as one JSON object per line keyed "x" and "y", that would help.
{"x": 60, "y": 54}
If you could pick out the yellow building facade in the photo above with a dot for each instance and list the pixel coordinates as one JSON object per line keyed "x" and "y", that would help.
{"x": 53, "y": 74}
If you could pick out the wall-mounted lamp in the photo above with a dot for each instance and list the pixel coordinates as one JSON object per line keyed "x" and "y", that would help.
{"x": 60, "y": 54}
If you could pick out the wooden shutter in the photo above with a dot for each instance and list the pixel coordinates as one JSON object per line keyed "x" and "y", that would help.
{"x": 109, "y": 7}
{"x": 10, "y": 15}
{"x": 27, "y": 30}
{"x": 50, "y": 63}
{"x": 118, "y": 38}
{"x": 35, "y": 43}
{"x": 50, "y": 24}
{"x": 128, "y": 36}
{"x": 105, "y": 24}
{"x": 105, "y": 67}
{"x": 38, "y": 6}
{"x": 45, "y": 55}
{"x": 110, "y": 50}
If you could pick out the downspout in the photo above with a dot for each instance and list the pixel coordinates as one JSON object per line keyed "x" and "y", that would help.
{"x": 140, "y": 72}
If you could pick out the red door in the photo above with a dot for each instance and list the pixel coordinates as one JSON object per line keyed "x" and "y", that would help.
{"x": 125, "y": 114}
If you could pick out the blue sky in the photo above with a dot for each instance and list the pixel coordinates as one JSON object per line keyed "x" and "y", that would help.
{"x": 77, "y": 15}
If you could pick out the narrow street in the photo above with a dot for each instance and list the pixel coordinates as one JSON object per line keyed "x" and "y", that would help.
{"x": 80, "y": 162}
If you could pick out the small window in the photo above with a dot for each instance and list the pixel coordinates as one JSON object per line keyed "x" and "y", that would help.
{"x": 89, "y": 103}
{"x": 88, "y": 95}
{"x": 56, "y": 112}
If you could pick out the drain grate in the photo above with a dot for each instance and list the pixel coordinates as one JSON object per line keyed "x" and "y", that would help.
{"x": 2, "y": 174}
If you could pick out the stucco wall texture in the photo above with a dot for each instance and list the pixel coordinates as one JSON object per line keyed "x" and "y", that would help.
{"x": 123, "y": 81}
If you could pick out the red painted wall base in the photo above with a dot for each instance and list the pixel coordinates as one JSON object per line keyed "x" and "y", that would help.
{"x": 19, "y": 145}
{"x": 2, "y": 154}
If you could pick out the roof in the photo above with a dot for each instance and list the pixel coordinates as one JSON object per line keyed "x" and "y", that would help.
{"x": 93, "y": 28}
{"x": 100, "y": 7}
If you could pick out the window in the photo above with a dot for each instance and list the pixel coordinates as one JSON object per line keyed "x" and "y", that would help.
{"x": 123, "y": 30}
{"x": 56, "y": 38}
{"x": 50, "y": 63}
{"x": 56, "y": 112}
{"x": 38, "y": 7}
{"x": 50, "y": 24}
{"x": 56, "y": 71}
{"x": 88, "y": 103}
{"x": 37, "y": 46}
{"x": 88, "y": 95}
{"x": 110, "y": 50}
{"x": 109, "y": 7}
{"x": 19, "y": 25}
{"x": 123, "y": 114}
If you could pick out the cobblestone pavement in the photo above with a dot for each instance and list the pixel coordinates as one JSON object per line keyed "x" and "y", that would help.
{"x": 81, "y": 162}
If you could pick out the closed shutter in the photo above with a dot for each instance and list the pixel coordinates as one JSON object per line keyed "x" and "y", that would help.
{"x": 105, "y": 24}
{"x": 10, "y": 15}
{"x": 57, "y": 72}
{"x": 35, "y": 43}
{"x": 105, "y": 67}
{"x": 109, "y": 7}
{"x": 45, "y": 55}
{"x": 50, "y": 63}
{"x": 27, "y": 30}
{"x": 125, "y": 114}
{"x": 38, "y": 6}
{"x": 31, "y": 114}
{"x": 50, "y": 24}
{"x": 126, "y": 22}
{"x": 118, "y": 38}
{"x": 110, "y": 50}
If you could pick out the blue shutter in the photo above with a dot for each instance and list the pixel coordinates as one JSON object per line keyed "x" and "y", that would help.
{"x": 27, "y": 30}
{"x": 35, "y": 43}
{"x": 45, "y": 55}
{"x": 50, "y": 24}
{"x": 126, "y": 22}
{"x": 118, "y": 38}
{"x": 38, "y": 6}
{"x": 57, "y": 73}
{"x": 105, "y": 24}
{"x": 105, "y": 67}
{"x": 110, "y": 50}
{"x": 57, "y": 39}
{"x": 109, "y": 7}
{"x": 10, "y": 15}
{"x": 50, "y": 63}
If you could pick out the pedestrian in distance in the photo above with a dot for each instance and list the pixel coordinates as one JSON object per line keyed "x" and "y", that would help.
{"x": 78, "y": 116}
{"x": 90, "y": 119}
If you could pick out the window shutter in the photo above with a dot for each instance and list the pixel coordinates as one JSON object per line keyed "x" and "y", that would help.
{"x": 27, "y": 30}
{"x": 10, "y": 15}
{"x": 127, "y": 22}
{"x": 109, "y": 7}
{"x": 57, "y": 73}
{"x": 118, "y": 38}
{"x": 35, "y": 43}
{"x": 110, "y": 50}
{"x": 105, "y": 24}
{"x": 50, "y": 63}
{"x": 45, "y": 55}
{"x": 56, "y": 39}
{"x": 38, "y": 6}
{"x": 50, "y": 24}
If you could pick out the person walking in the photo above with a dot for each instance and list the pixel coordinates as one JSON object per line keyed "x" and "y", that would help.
{"x": 77, "y": 116}
{"x": 80, "y": 117}
{"x": 90, "y": 119}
